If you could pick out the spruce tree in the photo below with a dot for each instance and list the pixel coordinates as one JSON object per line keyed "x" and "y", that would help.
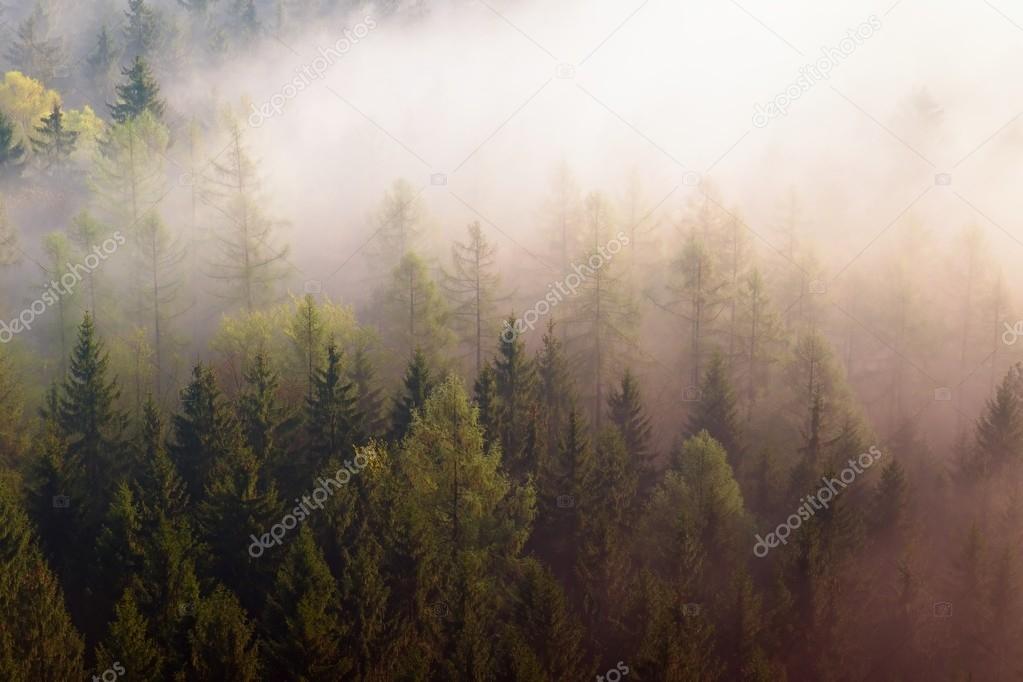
{"x": 304, "y": 624}
{"x": 516, "y": 392}
{"x": 142, "y": 30}
{"x": 716, "y": 411}
{"x": 486, "y": 400}
{"x": 1000, "y": 428}
{"x": 263, "y": 419}
{"x": 37, "y": 639}
{"x": 129, "y": 644}
{"x": 140, "y": 92}
{"x": 54, "y": 143}
{"x": 159, "y": 488}
{"x": 102, "y": 61}
{"x": 12, "y": 152}
{"x": 555, "y": 387}
{"x": 331, "y": 419}
{"x": 222, "y": 642}
{"x": 625, "y": 408}
{"x": 369, "y": 404}
{"x": 91, "y": 422}
{"x": 416, "y": 388}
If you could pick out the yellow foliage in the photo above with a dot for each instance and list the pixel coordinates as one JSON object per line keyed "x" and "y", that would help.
{"x": 26, "y": 101}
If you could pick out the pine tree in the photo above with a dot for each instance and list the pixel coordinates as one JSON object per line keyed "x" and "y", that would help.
{"x": 12, "y": 152}
{"x": 716, "y": 412}
{"x": 55, "y": 143}
{"x": 472, "y": 286}
{"x": 140, "y": 92}
{"x": 222, "y": 643}
{"x": 625, "y": 408}
{"x": 37, "y": 639}
{"x": 35, "y": 53}
{"x": 417, "y": 385}
{"x": 249, "y": 264}
{"x": 129, "y": 644}
{"x": 89, "y": 418}
{"x": 304, "y": 624}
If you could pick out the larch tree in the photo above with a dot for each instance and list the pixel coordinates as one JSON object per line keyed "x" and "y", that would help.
{"x": 161, "y": 256}
{"x": 414, "y": 314}
{"x": 399, "y": 224}
{"x": 35, "y": 52}
{"x": 250, "y": 264}
{"x": 603, "y": 318}
{"x": 472, "y": 288}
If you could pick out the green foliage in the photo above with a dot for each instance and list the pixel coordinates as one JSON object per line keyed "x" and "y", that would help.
{"x": 139, "y": 93}
{"x": 417, "y": 385}
{"x": 12, "y": 151}
{"x": 129, "y": 644}
{"x": 716, "y": 413}
{"x": 55, "y": 143}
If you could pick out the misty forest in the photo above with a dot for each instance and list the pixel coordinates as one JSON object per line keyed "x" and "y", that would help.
{"x": 510, "y": 340}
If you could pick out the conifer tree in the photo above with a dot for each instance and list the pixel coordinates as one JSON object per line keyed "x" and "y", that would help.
{"x": 416, "y": 388}
{"x": 159, "y": 488}
{"x": 249, "y": 264}
{"x": 204, "y": 432}
{"x": 54, "y": 143}
{"x": 369, "y": 404}
{"x": 303, "y": 620}
{"x": 128, "y": 644}
{"x": 222, "y": 642}
{"x": 625, "y": 408}
{"x": 35, "y": 53}
{"x": 138, "y": 93}
{"x": 472, "y": 286}
{"x": 559, "y": 486}
{"x": 603, "y": 317}
{"x": 161, "y": 284}
{"x": 12, "y": 152}
{"x": 515, "y": 376}
{"x": 90, "y": 420}
{"x": 555, "y": 387}
{"x": 486, "y": 401}
{"x": 87, "y": 234}
{"x": 102, "y": 62}
{"x": 1000, "y": 428}
{"x": 697, "y": 288}
{"x": 415, "y": 316}
{"x": 263, "y": 418}
{"x": 307, "y": 334}
{"x": 37, "y": 639}
{"x": 142, "y": 31}
{"x": 716, "y": 411}
{"x": 399, "y": 224}
{"x": 332, "y": 417}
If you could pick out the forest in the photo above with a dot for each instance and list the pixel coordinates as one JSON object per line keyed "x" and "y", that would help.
{"x": 507, "y": 340}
